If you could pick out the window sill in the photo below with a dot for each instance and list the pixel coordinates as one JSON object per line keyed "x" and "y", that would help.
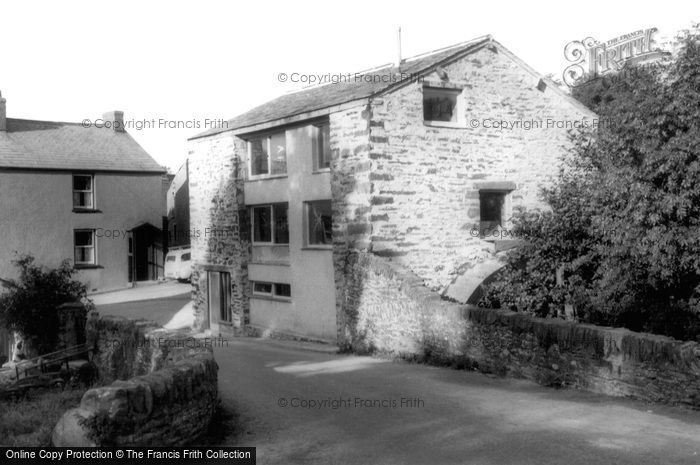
{"x": 318, "y": 247}
{"x": 444, "y": 124}
{"x": 86, "y": 266}
{"x": 321, "y": 171}
{"x": 286, "y": 300}
{"x": 86, "y": 210}
{"x": 265, "y": 177}
{"x": 270, "y": 263}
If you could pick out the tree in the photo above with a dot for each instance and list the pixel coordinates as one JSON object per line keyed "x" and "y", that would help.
{"x": 623, "y": 228}
{"x": 28, "y": 306}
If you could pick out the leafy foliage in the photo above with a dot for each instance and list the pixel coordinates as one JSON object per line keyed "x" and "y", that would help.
{"x": 623, "y": 228}
{"x": 29, "y": 304}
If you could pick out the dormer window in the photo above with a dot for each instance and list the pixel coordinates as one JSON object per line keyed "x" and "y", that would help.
{"x": 441, "y": 104}
{"x": 83, "y": 191}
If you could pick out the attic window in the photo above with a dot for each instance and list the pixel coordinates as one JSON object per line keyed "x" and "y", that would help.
{"x": 441, "y": 104}
{"x": 541, "y": 85}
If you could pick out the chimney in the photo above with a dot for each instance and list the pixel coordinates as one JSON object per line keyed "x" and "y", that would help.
{"x": 3, "y": 114}
{"x": 114, "y": 120}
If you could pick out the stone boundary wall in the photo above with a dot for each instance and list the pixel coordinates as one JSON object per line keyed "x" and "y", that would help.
{"x": 388, "y": 310}
{"x": 164, "y": 391}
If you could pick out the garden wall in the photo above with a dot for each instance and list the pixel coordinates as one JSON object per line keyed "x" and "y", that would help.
{"x": 163, "y": 388}
{"x": 387, "y": 309}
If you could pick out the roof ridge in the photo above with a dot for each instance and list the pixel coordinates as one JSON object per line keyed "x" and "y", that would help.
{"x": 44, "y": 121}
{"x": 321, "y": 84}
{"x": 444, "y": 49}
{"x": 391, "y": 65}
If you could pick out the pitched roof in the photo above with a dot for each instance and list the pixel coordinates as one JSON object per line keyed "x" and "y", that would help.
{"x": 70, "y": 146}
{"x": 371, "y": 83}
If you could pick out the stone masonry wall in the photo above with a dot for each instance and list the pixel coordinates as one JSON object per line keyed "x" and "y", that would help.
{"x": 389, "y": 311}
{"x": 163, "y": 389}
{"x": 351, "y": 190}
{"x": 218, "y": 223}
{"x": 425, "y": 180}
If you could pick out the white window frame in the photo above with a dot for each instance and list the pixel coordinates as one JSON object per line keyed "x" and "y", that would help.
{"x": 93, "y": 247}
{"x": 91, "y": 191}
{"x": 267, "y": 138}
{"x": 272, "y": 224}
{"x": 273, "y": 290}
{"x": 306, "y": 223}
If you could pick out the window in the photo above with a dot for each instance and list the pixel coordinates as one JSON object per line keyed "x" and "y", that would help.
{"x": 491, "y": 207}
{"x": 84, "y": 247}
{"x": 270, "y": 224}
{"x": 83, "y": 195}
{"x": 268, "y": 155}
{"x": 278, "y": 290}
{"x": 185, "y": 257}
{"x": 283, "y": 290}
{"x": 170, "y": 258}
{"x": 319, "y": 222}
{"x": 441, "y": 104}
{"x": 321, "y": 146}
{"x": 262, "y": 288}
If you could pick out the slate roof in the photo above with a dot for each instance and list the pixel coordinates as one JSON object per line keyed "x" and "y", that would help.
{"x": 69, "y": 146}
{"x": 320, "y": 97}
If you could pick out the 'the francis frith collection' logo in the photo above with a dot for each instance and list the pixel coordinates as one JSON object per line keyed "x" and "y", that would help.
{"x": 592, "y": 59}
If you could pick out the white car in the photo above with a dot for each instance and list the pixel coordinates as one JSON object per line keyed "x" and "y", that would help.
{"x": 178, "y": 264}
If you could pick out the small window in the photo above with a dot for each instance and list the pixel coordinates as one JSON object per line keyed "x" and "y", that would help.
{"x": 319, "y": 221}
{"x": 270, "y": 224}
{"x": 283, "y": 290}
{"x": 262, "y": 288}
{"x": 279, "y": 290}
{"x": 83, "y": 194}
{"x": 84, "y": 247}
{"x": 321, "y": 146}
{"x": 441, "y": 104}
{"x": 170, "y": 258}
{"x": 491, "y": 206}
{"x": 268, "y": 155}
{"x": 185, "y": 257}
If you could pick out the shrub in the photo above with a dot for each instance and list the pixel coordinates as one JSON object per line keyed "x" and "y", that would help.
{"x": 29, "y": 303}
{"x": 623, "y": 227}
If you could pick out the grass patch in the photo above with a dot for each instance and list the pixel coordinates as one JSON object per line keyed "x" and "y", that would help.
{"x": 30, "y": 420}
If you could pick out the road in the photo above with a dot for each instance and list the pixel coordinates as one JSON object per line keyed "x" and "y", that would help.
{"x": 158, "y": 302}
{"x": 447, "y": 416}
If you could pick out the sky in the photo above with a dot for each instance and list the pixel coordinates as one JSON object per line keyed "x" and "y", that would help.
{"x": 190, "y": 64}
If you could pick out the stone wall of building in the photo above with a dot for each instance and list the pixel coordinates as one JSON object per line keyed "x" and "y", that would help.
{"x": 163, "y": 388}
{"x": 425, "y": 178}
{"x": 218, "y": 222}
{"x": 389, "y": 311}
{"x": 351, "y": 164}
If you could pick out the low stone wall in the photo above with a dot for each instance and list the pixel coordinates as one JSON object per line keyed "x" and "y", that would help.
{"x": 163, "y": 390}
{"x": 124, "y": 348}
{"x": 387, "y": 309}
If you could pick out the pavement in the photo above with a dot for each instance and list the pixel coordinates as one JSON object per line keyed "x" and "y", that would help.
{"x": 168, "y": 304}
{"x": 298, "y": 405}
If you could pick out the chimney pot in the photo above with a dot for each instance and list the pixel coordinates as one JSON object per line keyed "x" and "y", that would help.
{"x": 115, "y": 120}
{"x": 3, "y": 114}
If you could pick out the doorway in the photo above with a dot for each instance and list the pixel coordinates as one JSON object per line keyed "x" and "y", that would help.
{"x": 219, "y": 299}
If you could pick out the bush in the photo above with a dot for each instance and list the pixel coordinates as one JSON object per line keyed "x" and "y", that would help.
{"x": 623, "y": 228}
{"x": 29, "y": 304}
